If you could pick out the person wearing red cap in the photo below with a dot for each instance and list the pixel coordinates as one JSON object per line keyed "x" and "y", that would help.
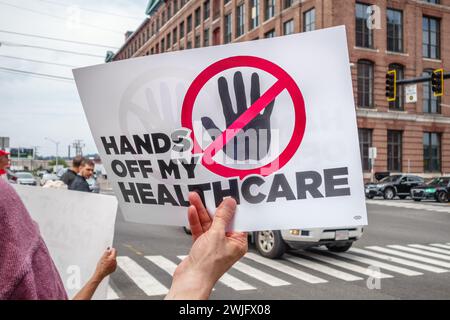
{"x": 4, "y": 163}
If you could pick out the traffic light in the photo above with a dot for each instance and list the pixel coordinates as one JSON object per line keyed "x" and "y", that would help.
{"x": 437, "y": 82}
{"x": 391, "y": 85}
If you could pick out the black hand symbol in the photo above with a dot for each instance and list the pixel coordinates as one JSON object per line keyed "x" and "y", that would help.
{"x": 253, "y": 141}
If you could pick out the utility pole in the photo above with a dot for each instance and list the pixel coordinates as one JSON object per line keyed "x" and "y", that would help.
{"x": 56, "y": 144}
{"x": 78, "y": 145}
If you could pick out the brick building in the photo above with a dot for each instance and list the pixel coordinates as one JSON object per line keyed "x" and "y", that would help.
{"x": 411, "y": 36}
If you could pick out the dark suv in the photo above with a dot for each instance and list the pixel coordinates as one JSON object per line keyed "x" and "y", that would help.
{"x": 437, "y": 189}
{"x": 396, "y": 185}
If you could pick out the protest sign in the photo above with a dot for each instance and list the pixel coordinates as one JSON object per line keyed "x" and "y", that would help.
{"x": 77, "y": 227}
{"x": 271, "y": 123}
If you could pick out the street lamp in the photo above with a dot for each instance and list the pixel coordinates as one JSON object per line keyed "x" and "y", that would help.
{"x": 56, "y": 144}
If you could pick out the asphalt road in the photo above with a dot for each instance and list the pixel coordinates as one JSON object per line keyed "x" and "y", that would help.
{"x": 407, "y": 272}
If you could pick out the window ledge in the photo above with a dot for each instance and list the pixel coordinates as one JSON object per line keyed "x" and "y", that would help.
{"x": 367, "y": 49}
{"x": 397, "y": 111}
{"x": 432, "y": 60}
{"x": 367, "y": 108}
{"x": 404, "y": 54}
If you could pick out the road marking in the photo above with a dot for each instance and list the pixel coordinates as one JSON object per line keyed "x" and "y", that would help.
{"x": 399, "y": 260}
{"x": 440, "y": 245}
{"x": 422, "y": 252}
{"x": 285, "y": 269}
{"x": 144, "y": 280}
{"x": 260, "y": 275}
{"x": 232, "y": 281}
{"x": 163, "y": 263}
{"x": 111, "y": 294}
{"x": 410, "y": 256}
{"x": 419, "y": 246}
{"x": 382, "y": 265}
{"x": 322, "y": 268}
{"x": 349, "y": 266}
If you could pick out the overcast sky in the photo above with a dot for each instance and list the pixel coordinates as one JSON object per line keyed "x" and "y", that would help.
{"x": 33, "y": 108}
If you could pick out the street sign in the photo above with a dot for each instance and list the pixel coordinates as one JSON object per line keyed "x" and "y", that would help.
{"x": 372, "y": 153}
{"x": 245, "y": 120}
{"x": 411, "y": 93}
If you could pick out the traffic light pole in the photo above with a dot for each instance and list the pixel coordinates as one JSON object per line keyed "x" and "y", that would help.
{"x": 419, "y": 79}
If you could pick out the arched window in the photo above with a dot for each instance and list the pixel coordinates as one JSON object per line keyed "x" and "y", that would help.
{"x": 365, "y": 84}
{"x": 398, "y": 103}
{"x": 431, "y": 104}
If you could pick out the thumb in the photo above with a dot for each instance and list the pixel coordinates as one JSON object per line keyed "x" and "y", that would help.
{"x": 224, "y": 214}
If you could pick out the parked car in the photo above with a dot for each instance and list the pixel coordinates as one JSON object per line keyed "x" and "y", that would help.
{"x": 25, "y": 178}
{"x": 437, "y": 189}
{"x": 274, "y": 243}
{"x": 49, "y": 177}
{"x": 396, "y": 185}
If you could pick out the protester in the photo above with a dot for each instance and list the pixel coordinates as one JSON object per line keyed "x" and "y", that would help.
{"x": 26, "y": 269}
{"x": 86, "y": 171}
{"x": 4, "y": 162}
{"x": 69, "y": 176}
{"x": 213, "y": 252}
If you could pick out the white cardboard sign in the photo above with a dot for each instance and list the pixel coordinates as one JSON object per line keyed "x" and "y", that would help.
{"x": 270, "y": 122}
{"x": 77, "y": 227}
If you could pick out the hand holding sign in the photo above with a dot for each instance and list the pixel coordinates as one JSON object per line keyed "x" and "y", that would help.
{"x": 253, "y": 141}
{"x": 213, "y": 253}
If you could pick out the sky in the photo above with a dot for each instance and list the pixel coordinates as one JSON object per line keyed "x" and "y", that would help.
{"x": 34, "y": 108}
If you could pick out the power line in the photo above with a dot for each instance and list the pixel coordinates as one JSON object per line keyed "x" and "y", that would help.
{"x": 59, "y": 17}
{"x": 93, "y": 10}
{"x": 39, "y": 61}
{"x": 14, "y": 44}
{"x": 58, "y": 39}
{"x": 40, "y": 75}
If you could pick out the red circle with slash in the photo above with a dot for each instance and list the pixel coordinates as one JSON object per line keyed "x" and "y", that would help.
{"x": 284, "y": 82}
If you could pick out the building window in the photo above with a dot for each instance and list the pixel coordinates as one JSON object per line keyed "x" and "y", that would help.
{"x": 240, "y": 16}
{"x": 216, "y": 36}
{"x": 162, "y": 46}
{"x": 365, "y": 84}
{"x": 197, "y": 17}
{"x": 206, "y": 38}
{"x": 181, "y": 29}
{"x": 394, "y": 30}
{"x": 174, "y": 37}
{"x": 270, "y": 9}
{"x": 433, "y": 1}
{"x": 168, "y": 41}
{"x": 254, "y": 13}
{"x": 364, "y": 35}
{"x": 398, "y": 103}
{"x": 431, "y": 104}
{"x": 206, "y": 9}
{"x": 197, "y": 41}
{"x": 189, "y": 45}
{"x": 227, "y": 29}
{"x": 288, "y": 27}
{"x": 431, "y": 152}
{"x": 309, "y": 20}
{"x": 189, "y": 23}
{"x": 175, "y": 6}
{"x": 431, "y": 33}
{"x": 270, "y": 34}
{"x": 216, "y": 11}
{"x": 365, "y": 142}
{"x": 226, "y": 1}
{"x": 287, "y": 3}
{"x": 394, "y": 150}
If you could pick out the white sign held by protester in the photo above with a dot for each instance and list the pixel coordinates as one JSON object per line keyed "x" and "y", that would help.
{"x": 270, "y": 122}
{"x": 77, "y": 227}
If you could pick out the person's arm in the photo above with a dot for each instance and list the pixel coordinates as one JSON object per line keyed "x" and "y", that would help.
{"x": 105, "y": 267}
{"x": 213, "y": 252}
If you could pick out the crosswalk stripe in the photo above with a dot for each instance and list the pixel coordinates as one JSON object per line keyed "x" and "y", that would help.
{"x": 163, "y": 263}
{"x": 144, "y": 280}
{"x": 349, "y": 266}
{"x": 440, "y": 245}
{"x": 438, "y": 250}
{"x": 382, "y": 265}
{"x": 232, "y": 281}
{"x": 285, "y": 269}
{"x": 405, "y": 262}
{"x": 411, "y": 256}
{"x": 322, "y": 268}
{"x": 422, "y": 252}
{"x": 260, "y": 275}
{"x": 111, "y": 294}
